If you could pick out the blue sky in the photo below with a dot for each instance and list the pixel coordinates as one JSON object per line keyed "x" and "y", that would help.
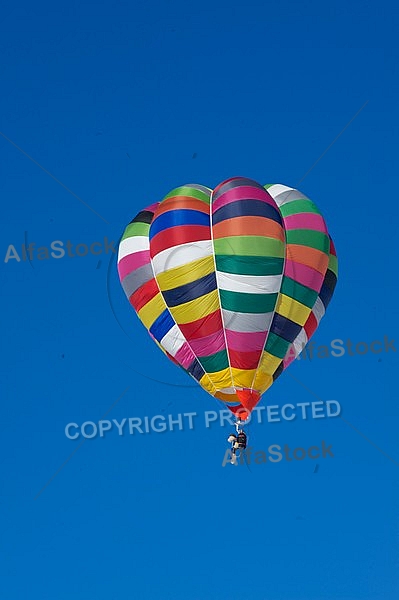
{"x": 121, "y": 102}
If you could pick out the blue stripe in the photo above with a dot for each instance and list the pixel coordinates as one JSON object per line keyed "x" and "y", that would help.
{"x": 190, "y": 291}
{"x": 328, "y": 287}
{"x": 174, "y": 218}
{"x": 196, "y": 370}
{"x": 326, "y": 294}
{"x": 247, "y": 208}
{"x": 285, "y": 328}
{"x": 162, "y": 325}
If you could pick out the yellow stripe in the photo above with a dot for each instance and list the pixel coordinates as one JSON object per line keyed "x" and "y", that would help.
{"x": 207, "y": 385}
{"x": 264, "y": 375}
{"x": 220, "y": 379}
{"x": 262, "y": 382}
{"x": 195, "y": 309}
{"x": 243, "y": 378}
{"x": 151, "y": 311}
{"x": 292, "y": 309}
{"x": 168, "y": 280}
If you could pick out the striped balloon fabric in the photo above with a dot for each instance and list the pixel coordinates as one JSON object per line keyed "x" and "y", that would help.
{"x": 230, "y": 283}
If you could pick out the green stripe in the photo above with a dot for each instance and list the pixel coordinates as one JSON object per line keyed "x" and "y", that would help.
{"x": 333, "y": 264}
{"x": 298, "y": 206}
{"x": 249, "y": 245}
{"x": 215, "y": 362}
{"x": 247, "y": 303}
{"x": 299, "y": 292}
{"x": 308, "y": 237}
{"x": 249, "y": 265}
{"x": 134, "y": 229}
{"x": 191, "y": 192}
{"x": 276, "y": 345}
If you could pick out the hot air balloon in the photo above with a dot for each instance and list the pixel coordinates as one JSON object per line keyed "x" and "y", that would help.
{"x": 231, "y": 283}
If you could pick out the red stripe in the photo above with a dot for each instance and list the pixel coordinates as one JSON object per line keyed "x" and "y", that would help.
{"x": 244, "y": 360}
{"x": 174, "y": 236}
{"x": 249, "y": 398}
{"x": 144, "y": 294}
{"x": 310, "y": 325}
{"x": 202, "y": 327}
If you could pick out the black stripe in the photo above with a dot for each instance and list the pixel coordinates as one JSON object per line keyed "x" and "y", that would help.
{"x": 325, "y": 295}
{"x": 144, "y": 216}
{"x": 247, "y": 208}
{"x": 330, "y": 280}
{"x": 278, "y": 371}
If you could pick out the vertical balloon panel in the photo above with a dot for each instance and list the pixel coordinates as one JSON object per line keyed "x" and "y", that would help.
{"x": 307, "y": 256}
{"x": 181, "y": 254}
{"x": 249, "y": 246}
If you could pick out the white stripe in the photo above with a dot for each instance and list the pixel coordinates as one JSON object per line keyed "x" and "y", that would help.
{"x": 173, "y": 340}
{"x": 294, "y": 196}
{"x": 229, "y": 390}
{"x": 282, "y": 194}
{"x": 133, "y": 244}
{"x": 278, "y": 188}
{"x": 300, "y": 342}
{"x": 250, "y": 284}
{"x": 181, "y": 255}
{"x": 318, "y": 310}
{"x": 246, "y": 322}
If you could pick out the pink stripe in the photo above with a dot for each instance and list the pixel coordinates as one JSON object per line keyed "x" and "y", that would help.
{"x": 184, "y": 356}
{"x": 290, "y": 356}
{"x": 304, "y": 275}
{"x": 208, "y": 345}
{"x": 241, "y": 193}
{"x": 305, "y": 221}
{"x": 133, "y": 261}
{"x": 245, "y": 341}
{"x": 288, "y": 361}
{"x": 152, "y": 207}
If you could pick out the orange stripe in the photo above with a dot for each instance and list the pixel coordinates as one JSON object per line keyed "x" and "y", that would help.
{"x": 248, "y": 226}
{"x": 308, "y": 256}
{"x": 182, "y": 202}
{"x": 227, "y": 397}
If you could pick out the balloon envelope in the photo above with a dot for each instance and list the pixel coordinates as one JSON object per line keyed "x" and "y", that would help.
{"x": 231, "y": 283}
